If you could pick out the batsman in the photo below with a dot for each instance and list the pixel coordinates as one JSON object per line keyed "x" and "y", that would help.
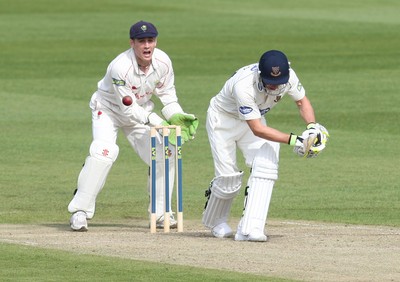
{"x": 236, "y": 120}
{"x": 123, "y": 101}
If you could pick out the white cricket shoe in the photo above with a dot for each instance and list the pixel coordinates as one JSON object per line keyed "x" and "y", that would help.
{"x": 172, "y": 222}
{"x": 222, "y": 230}
{"x": 78, "y": 221}
{"x": 254, "y": 236}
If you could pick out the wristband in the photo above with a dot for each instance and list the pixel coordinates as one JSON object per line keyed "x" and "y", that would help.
{"x": 292, "y": 139}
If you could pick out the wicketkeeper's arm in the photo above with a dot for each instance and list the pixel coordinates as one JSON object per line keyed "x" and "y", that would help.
{"x": 175, "y": 115}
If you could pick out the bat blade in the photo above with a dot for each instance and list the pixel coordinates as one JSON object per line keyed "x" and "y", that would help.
{"x": 311, "y": 140}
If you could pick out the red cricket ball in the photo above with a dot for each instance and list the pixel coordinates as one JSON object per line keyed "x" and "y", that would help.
{"x": 127, "y": 100}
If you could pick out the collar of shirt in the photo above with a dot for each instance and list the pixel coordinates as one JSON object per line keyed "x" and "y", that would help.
{"x": 135, "y": 64}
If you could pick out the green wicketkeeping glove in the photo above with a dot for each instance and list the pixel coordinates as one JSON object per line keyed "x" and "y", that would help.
{"x": 172, "y": 134}
{"x": 188, "y": 123}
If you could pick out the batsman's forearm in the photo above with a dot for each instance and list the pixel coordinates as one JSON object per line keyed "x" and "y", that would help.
{"x": 306, "y": 110}
{"x": 267, "y": 132}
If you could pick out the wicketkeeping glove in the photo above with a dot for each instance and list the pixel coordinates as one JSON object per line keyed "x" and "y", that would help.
{"x": 188, "y": 123}
{"x": 172, "y": 134}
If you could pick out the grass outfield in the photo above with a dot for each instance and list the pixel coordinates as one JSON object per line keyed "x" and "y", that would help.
{"x": 52, "y": 53}
{"x": 49, "y": 265}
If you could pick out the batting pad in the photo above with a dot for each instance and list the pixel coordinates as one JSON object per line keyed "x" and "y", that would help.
{"x": 90, "y": 182}
{"x": 256, "y": 205}
{"x": 93, "y": 176}
{"x": 223, "y": 191}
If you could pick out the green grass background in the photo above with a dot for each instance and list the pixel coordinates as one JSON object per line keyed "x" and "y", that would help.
{"x": 52, "y": 53}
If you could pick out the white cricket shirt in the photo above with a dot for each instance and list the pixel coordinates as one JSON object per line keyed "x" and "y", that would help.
{"x": 124, "y": 78}
{"x": 243, "y": 96}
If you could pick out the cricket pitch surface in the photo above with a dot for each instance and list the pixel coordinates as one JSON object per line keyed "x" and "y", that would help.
{"x": 300, "y": 250}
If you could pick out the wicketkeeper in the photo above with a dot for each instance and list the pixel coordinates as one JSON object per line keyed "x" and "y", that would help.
{"x": 134, "y": 76}
{"x": 236, "y": 120}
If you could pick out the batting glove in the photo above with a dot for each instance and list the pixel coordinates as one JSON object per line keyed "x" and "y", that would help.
{"x": 314, "y": 141}
{"x": 323, "y": 137}
{"x": 302, "y": 144}
{"x": 319, "y": 127}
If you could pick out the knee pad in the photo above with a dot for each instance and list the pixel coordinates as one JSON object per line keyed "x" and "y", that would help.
{"x": 221, "y": 193}
{"x": 265, "y": 164}
{"x": 227, "y": 186}
{"x": 104, "y": 150}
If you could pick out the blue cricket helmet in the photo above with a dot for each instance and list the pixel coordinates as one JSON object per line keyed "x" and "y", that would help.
{"x": 274, "y": 68}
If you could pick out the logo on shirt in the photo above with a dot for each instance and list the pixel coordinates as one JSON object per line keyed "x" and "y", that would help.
{"x": 299, "y": 86}
{"x": 245, "y": 110}
{"x": 264, "y": 111}
{"x": 118, "y": 82}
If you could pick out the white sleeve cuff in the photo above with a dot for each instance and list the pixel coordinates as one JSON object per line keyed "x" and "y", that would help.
{"x": 154, "y": 119}
{"x": 169, "y": 110}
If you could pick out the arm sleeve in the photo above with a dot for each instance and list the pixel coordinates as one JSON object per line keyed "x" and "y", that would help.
{"x": 246, "y": 105}
{"x": 165, "y": 89}
{"x": 296, "y": 91}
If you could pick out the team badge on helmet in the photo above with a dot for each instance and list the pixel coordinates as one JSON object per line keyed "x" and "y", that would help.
{"x": 275, "y": 71}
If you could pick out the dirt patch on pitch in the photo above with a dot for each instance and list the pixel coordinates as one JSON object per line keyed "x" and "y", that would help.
{"x": 300, "y": 250}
